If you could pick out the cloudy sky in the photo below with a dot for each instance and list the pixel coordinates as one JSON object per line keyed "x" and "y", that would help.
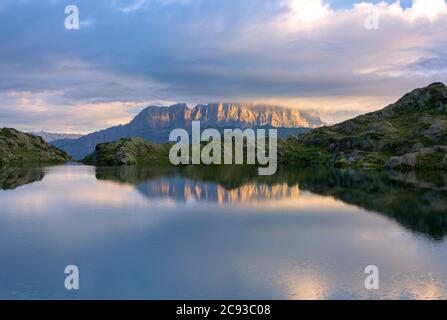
{"x": 339, "y": 57}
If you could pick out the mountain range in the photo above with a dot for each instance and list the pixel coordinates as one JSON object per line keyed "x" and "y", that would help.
{"x": 155, "y": 123}
{"x": 52, "y": 136}
{"x": 410, "y": 134}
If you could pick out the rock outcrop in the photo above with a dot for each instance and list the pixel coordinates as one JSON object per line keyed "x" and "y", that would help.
{"x": 21, "y": 148}
{"x": 409, "y": 134}
{"x": 128, "y": 152}
{"x": 424, "y": 158}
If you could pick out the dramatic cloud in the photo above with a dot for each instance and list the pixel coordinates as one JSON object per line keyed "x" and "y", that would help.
{"x": 313, "y": 54}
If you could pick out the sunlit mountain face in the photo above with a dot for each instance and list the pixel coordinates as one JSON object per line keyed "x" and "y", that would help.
{"x": 155, "y": 123}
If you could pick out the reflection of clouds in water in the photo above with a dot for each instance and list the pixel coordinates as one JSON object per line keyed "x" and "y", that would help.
{"x": 326, "y": 259}
{"x": 318, "y": 282}
{"x": 305, "y": 285}
{"x": 308, "y": 202}
{"x": 238, "y": 245}
{"x": 69, "y": 185}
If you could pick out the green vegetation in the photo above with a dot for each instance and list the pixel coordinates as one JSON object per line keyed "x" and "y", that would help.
{"x": 129, "y": 152}
{"x": 409, "y": 134}
{"x": 18, "y": 148}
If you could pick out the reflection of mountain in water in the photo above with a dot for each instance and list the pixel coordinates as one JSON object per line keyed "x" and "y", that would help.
{"x": 13, "y": 177}
{"x": 221, "y": 185}
{"x": 416, "y": 201}
{"x": 184, "y": 189}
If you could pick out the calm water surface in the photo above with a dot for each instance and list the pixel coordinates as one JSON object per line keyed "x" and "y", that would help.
{"x": 221, "y": 233}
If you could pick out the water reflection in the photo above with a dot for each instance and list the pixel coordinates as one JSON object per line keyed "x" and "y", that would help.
{"x": 188, "y": 186}
{"x": 417, "y": 201}
{"x": 14, "y": 177}
{"x": 222, "y": 233}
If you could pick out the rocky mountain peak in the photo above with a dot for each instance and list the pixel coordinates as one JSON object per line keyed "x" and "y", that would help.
{"x": 155, "y": 123}
{"x": 225, "y": 114}
{"x": 429, "y": 97}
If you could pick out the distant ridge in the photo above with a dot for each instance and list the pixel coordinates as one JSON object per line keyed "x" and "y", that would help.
{"x": 50, "y": 136}
{"x": 155, "y": 123}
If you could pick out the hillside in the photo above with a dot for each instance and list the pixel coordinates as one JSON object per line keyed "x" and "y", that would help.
{"x": 18, "y": 148}
{"x": 128, "y": 152}
{"x": 408, "y": 134}
{"x": 155, "y": 123}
